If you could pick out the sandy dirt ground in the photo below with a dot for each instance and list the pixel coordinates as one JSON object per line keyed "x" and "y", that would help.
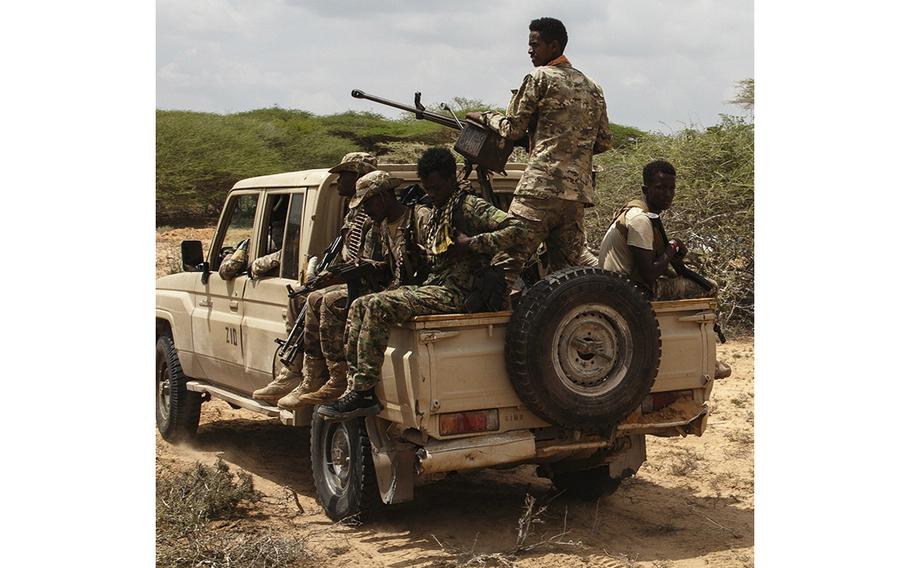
{"x": 167, "y": 246}
{"x": 691, "y": 504}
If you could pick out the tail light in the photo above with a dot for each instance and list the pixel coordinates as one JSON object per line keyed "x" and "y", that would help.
{"x": 467, "y": 422}
{"x": 655, "y": 401}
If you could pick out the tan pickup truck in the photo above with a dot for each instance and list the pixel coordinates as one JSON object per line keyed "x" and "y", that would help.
{"x": 572, "y": 380}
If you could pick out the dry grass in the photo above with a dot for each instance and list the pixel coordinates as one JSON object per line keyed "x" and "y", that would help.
{"x": 742, "y": 400}
{"x": 531, "y": 516}
{"x": 741, "y": 437}
{"x": 201, "y": 520}
{"x": 684, "y": 462}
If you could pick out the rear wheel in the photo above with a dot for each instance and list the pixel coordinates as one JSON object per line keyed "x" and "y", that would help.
{"x": 177, "y": 409}
{"x": 588, "y": 484}
{"x": 341, "y": 457}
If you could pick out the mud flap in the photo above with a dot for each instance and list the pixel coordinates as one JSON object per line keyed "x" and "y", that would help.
{"x": 393, "y": 463}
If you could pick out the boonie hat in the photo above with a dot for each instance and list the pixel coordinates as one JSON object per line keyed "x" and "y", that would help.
{"x": 358, "y": 162}
{"x": 373, "y": 183}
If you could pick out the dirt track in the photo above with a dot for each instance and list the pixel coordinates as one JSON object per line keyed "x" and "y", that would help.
{"x": 690, "y": 505}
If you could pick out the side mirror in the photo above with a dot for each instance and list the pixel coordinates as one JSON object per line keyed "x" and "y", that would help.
{"x": 191, "y": 255}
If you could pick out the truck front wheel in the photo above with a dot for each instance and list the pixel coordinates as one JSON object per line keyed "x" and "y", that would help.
{"x": 342, "y": 462}
{"x": 177, "y": 409}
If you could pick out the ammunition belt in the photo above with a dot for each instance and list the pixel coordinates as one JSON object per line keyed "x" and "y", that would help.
{"x": 353, "y": 241}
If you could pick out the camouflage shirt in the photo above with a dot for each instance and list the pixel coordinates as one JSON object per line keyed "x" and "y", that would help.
{"x": 565, "y": 117}
{"x": 404, "y": 249}
{"x": 265, "y": 264}
{"x": 492, "y": 229}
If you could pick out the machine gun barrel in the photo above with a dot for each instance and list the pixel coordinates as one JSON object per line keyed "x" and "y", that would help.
{"x": 419, "y": 111}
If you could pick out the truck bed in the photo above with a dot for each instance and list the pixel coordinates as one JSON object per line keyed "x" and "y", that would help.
{"x": 455, "y": 363}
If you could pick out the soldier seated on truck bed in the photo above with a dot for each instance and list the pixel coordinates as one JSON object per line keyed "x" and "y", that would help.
{"x": 463, "y": 234}
{"x": 320, "y": 366}
{"x": 636, "y": 244}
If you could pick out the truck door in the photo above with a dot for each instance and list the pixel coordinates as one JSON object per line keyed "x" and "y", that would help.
{"x": 265, "y": 300}
{"x": 218, "y": 311}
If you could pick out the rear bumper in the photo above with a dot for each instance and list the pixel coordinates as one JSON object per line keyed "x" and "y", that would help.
{"x": 679, "y": 419}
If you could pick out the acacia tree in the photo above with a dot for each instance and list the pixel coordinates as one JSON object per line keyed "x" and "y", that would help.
{"x": 745, "y": 94}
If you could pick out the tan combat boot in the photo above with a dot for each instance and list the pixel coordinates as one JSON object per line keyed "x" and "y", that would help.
{"x": 314, "y": 376}
{"x": 285, "y": 382}
{"x": 332, "y": 390}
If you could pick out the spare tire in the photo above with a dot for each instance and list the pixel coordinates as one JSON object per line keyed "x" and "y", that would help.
{"x": 582, "y": 348}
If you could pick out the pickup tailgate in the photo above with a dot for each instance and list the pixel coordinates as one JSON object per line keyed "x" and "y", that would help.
{"x": 456, "y": 363}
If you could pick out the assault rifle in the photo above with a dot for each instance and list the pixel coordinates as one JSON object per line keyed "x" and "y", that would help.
{"x": 354, "y": 275}
{"x": 481, "y": 147}
{"x": 289, "y": 347}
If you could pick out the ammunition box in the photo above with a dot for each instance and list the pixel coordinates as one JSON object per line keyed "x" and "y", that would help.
{"x": 484, "y": 147}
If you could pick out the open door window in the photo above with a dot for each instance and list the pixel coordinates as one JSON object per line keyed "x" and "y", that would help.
{"x": 281, "y": 232}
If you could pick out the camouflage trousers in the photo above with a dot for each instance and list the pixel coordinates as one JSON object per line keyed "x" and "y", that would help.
{"x": 324, "y": 320}
{"x": 556, "y": 222}
{"x": 681, "y": 288}
{"x": 372, "y": 316}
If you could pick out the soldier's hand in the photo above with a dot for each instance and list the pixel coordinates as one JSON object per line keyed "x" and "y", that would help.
{"x": 681, "y": 249}
{"x": 475, "y": 116}
{"x": 462, "y": 244}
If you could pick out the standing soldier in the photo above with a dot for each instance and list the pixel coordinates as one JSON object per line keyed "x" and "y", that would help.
{"x": 323, "y": 346}
{"x": 463, "y": 234}
{"x": 565, "y": 118}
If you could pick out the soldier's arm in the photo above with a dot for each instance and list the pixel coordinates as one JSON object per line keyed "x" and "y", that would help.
{"x": 494, "y": 230}
{"x": 233, "y": 265}
{"x": 514, "y": 126}
{"x": 604, "y": 139}
{"x": 265, "y": 264}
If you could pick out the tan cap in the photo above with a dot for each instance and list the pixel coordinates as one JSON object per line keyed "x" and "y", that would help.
{"x": 373, "y": 183}
{"x": 358, "y": 162}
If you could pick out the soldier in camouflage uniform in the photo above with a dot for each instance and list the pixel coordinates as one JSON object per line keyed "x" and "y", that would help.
{"x": 322, "y": 355}
{"x": 564, "y": 115}
{"x": 462, "y": 235}
{"x": 397, "y": 227}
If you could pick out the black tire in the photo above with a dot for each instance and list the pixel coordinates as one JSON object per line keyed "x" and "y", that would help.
{"x": 176, "y": 409}
{"x": 587, "y": 484}
{"x": 582, "y": 348}
{"x": 342, "y": 462}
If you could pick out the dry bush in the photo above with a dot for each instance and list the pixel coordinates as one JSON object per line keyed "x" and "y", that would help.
{"x": 191, "y": 504}
{"x": 684, "y": 462}
{"x": 246, "y": 548}
{"x": 741, "y": 400}
{"x": 188, "y": 499}
{"x": 713, "y": 211}
{"x": 741, "y": 436}
{"x": 531, "y": 516}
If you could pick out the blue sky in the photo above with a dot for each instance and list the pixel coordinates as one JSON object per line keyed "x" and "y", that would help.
{"x": 663, "y": 64}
